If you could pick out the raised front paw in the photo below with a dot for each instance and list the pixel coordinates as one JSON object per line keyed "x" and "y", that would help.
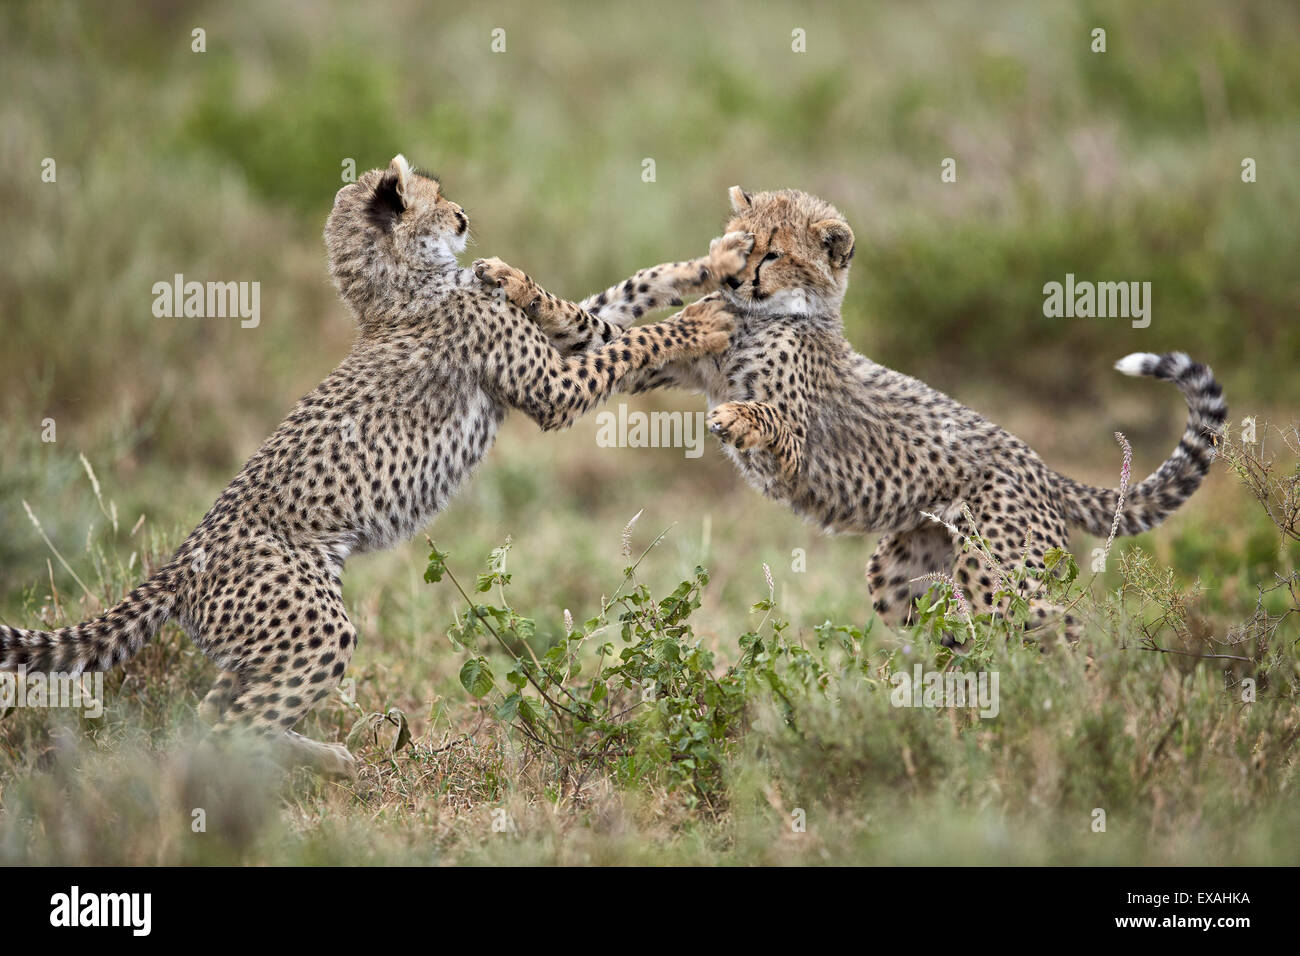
{"x": 495, "y": 272}
{"x": 727, "y": 254}
{"x": 707, "y": 325}
{"x": 515, "y": 284}
{"x": 731, "y": 422}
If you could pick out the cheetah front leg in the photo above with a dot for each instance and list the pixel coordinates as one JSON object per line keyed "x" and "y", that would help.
{"x": 599, "y": 319}
{"x": 569, "y": 327}
{"x": 529, "y": 374}
{"x": 759, "y": 425}
{"x": 668, "y": 283}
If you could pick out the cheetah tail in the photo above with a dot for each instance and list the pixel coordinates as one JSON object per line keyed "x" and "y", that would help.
{"x": 98, "y": 644}
{"x": 1156, "y": 497}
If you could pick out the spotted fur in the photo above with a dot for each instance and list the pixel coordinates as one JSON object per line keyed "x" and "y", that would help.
{"x": 361, "y": 463}
{"x": 857, "y": 447}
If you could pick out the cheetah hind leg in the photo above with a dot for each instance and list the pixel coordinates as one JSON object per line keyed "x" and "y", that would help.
{"x": 902, "y": 568}
{"x": 1018, "y": 531}
{"x": 291, "y": 749}
{"x": 247, "y": 709}
{"x": 332, "y": 760}
{"x": 1046, "y": 620}
{"x": 214, "y": 705}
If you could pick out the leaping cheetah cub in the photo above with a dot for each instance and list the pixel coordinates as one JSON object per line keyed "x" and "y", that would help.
{"x": 363, "y": 461}
{"x": 855, "y": 446}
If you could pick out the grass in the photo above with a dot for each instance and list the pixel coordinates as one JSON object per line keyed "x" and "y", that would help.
{"x": 1123, "y": 165}
{"x": 1135, "y": 722}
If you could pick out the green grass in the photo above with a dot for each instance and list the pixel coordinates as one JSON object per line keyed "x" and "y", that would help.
{"x": 1184, "y": 770}
{"x": 1123, "y": 165}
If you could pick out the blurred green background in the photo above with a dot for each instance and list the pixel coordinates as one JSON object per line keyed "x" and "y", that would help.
{"x": 1123, "y": 165}
{"x": 221, "y": 165}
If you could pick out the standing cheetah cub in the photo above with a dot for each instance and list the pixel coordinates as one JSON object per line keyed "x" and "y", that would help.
{"x": 363, "y": 461}
{"x": 855, "y": 446}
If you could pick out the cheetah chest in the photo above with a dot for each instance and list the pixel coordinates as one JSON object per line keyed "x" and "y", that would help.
{"x": 431, "y": 456}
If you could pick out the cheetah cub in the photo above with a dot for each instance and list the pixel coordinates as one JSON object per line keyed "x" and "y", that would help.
{"x": 363, "y": 461}
{"x": 857, "y": 447}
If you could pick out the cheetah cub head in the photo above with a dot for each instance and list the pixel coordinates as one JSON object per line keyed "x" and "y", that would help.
{"x": 800, "y": 261}
{"x": 391, "y": 221}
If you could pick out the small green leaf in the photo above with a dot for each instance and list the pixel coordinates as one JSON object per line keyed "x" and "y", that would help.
{"x": 524, "y": 627}
{"x": 476, "y": 676}
{"x": 365, "y": 730}
{"x": 528, "y": 711}
{"x": 508, "y": 708}
{"x": 396, "y": 717}
{"x": 356, "y": 736}
{"x": 437, "y": 565}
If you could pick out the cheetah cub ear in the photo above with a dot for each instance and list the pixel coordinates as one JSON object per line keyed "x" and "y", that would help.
{"x": 392, "y": 194}
{"x": 388, "y": 201}
{"x": 838, "y": 239}
{"x": 401, "y": 170}
{"x": 740, "y": 200}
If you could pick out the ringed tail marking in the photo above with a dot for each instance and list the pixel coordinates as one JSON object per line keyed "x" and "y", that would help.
{"x": 1153, "y": 499}
{"x": 100, "y": 643}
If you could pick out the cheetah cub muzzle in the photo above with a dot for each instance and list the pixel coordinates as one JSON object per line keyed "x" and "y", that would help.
{"x": 857, "y": 447}
{"x": 361, "y": 463}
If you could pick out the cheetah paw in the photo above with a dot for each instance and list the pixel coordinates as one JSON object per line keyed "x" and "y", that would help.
{"x": 514, "y": 284}
{"x": 708, "y": 324}
{"x": 733, "y": 426}
{"x": 339, "y": 762}
{"x": 331, "y": 760}
{"x": 727, "y": 254}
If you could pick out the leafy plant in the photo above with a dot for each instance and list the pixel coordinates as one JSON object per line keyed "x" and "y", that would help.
{"x": 646, "y": 706}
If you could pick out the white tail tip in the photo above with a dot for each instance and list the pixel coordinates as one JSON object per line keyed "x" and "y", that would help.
{"x": 1138, "y": 363}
